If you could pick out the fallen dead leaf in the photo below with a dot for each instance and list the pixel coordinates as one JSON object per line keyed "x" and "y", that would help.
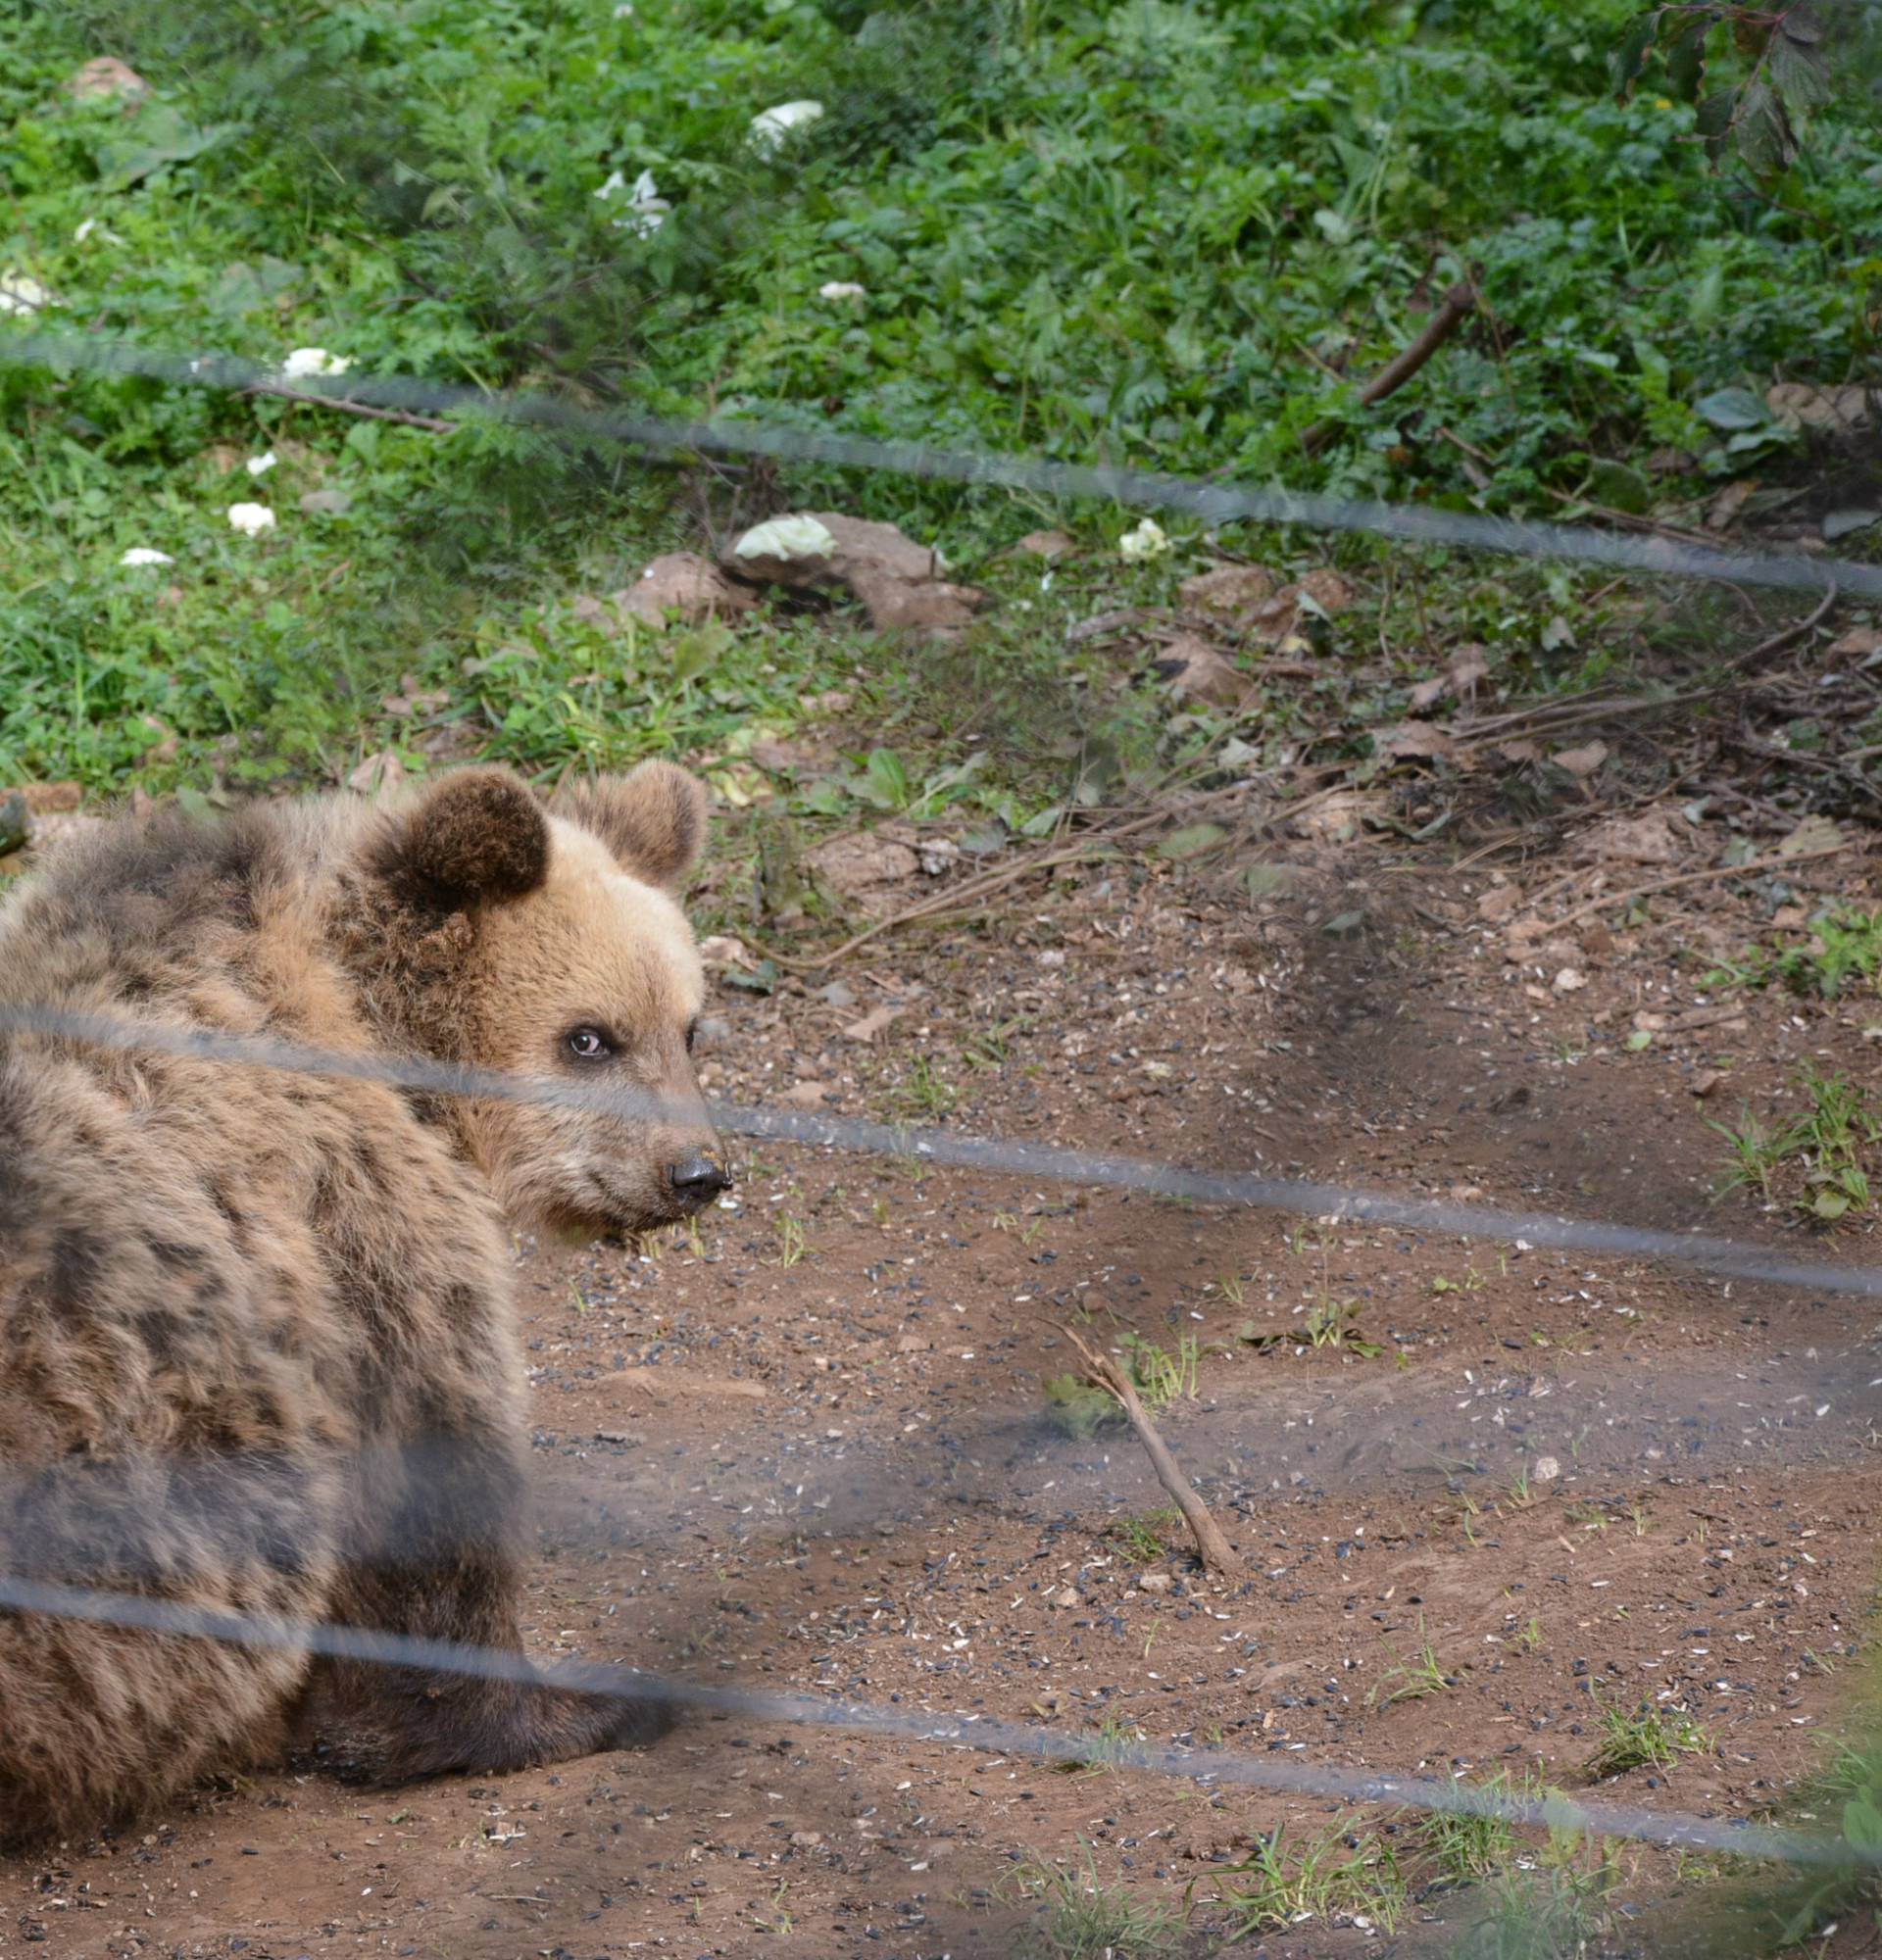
{"x": 1806, "y": 406}
{"x": 1198, "y": 672}
{"x": 723, "y": 949}
{"x": 1581, "y": 762}
{"x": 1730, "y": 501}
{"x": 874, "y": 1023}
{"x": 806, "y": 1095}
{"x": 1227, "y": 590}
{"x": 1815, "y": 833}
{"x": 103, "y": 79}
{"x": 1411, "y": 741}
{"x": 1498, "y": 903}
{"x": 1650, "y": 839}
{"x": 377, "y": 772}
{"x": 1047, "y": 544}
{"x": 862, "y": 867}
{"x": 684, "y": 584}
{"x": 898, "y": 581}
{"x": 1858, "y": 643}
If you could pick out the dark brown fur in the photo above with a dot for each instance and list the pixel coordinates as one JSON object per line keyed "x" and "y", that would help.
{"x": 256, "y": 1341}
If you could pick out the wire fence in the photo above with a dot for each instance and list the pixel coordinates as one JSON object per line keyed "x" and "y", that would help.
{"x": 178, "y": 1620}
{"x": 1213, "y": 503}
{"x": 238, "y": 1501}
{"x": 1727, "y": 1258}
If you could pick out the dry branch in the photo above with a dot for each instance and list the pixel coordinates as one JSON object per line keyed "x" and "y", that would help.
{"x": 1456, "y": 306}
{"x": 1214, "y": 1550}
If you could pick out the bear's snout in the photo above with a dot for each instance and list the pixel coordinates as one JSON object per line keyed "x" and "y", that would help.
{"x": 697, "y": 1179}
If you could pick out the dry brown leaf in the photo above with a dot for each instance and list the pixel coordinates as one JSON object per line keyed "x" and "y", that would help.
{"x": 1498, "y": 903}
{"x": 1047, "y": 544}
{"x": 1414, "y": 741}
{"x": 1731, "y": 500}
{"x": 806, "y": 1095}
{"x": 1227, "y": 590}
{"x": 1650, "y": 839}
{"x": 682, "y": 583}
{"x": 1858, "y": 643}
{"x": 1200, "y": 672}
{"x": 874, "y": 1023}
{"x": 1581, "y": 762}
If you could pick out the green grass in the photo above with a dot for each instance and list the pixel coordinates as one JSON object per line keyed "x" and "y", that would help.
{"x": 1140, "y": 1539}
{"x": 1647, "y": 1736}
{"x": 1172, "y": 235}
{"x": 1340, "y": 1873}
{"x": 1845, "y": 947}
{"x": 1819, "y": 1162}
{"x": 1411, "y": 1680}
{"x": 1077, "y": 1916}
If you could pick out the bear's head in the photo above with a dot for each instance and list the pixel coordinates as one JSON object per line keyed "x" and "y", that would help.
{"x": 545, "y": 940}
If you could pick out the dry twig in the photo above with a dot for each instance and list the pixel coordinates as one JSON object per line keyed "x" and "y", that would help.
{"x": 1774, "y": 862}
{"x": 1214, "y": 1548}
{"x": 1455, "y": 307}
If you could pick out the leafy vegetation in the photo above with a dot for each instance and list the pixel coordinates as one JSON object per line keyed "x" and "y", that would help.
{"x": 1817, "y": 1162}
{"x": 1174, "y": 236}
{"x": 1647, "y": 1736}
{"x": 1844, "y": 946}
{"x": 1077, "y": 1916}
{"x": 1341, "y": 1872}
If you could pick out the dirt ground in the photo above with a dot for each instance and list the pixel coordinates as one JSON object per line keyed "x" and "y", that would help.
{"x": 807, "y": 1450}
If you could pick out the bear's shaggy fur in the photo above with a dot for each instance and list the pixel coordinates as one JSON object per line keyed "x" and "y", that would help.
{"x": 256, "y": 1339}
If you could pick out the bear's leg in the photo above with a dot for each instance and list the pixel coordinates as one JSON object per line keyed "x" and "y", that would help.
{"x": 99, "y": 1721}
{"x": 446, "y": 1564}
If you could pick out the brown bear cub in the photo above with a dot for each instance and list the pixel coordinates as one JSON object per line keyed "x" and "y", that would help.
{"x": 257, "y": 1349}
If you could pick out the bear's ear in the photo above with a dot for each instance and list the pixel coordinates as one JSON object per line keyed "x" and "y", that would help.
{"x": 653, "y": 819}
{"x": 477, "y": 834}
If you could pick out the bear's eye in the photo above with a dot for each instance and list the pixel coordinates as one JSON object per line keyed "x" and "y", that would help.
{"x": 692, "y": 1035}
{"x": 588, "y": 1044}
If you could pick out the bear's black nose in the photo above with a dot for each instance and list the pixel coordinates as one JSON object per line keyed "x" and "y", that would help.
{"x": 698, "y": 1179}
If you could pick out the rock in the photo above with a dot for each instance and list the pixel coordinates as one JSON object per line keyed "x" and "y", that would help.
{"x": 106, "y": 80}
{"x": 806, "y": 1095}
{"x": 1498, "y": 903}
{"x": 1706, "y": 1080}
{"x": 1227, "y": 590}
{"x": 805, "y": 1839}
{"x": 1068, "y": 1598}
{"x": 863, "y": 867}
{"x": 326, "y": 504}
{"x": 1548, "y": 1469}
{"x": 1198, "y": 672}
{"x": 1154, "y": 1582}
{"x": 1570, "y": 980}
{"x": 686, "y": 584}
{"x": 898, "y": 581}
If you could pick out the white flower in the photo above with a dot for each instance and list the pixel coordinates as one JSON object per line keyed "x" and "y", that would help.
{"x": 646, "y": 209}
{"x": 624, "y": 12}
{"x": 143, "y": 555}
{"x": 841, "y": 289}
{"x": 770, "y": 130}
{"x": 260, "y": 465}
{"x": 305, "y": 361}
{"x": 21, "y": 293}
{"x": 91, "y": 224}
{"x": 251, "y": 519}
{"x": 1146, "y": 541}
{"x": 787, "y": 537}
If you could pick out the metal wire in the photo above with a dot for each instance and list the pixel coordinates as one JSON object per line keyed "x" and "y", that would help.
{"x": 1349, "y": 1204}
{"x": 1000, "y": 1738}
{"x": 1214, "y": 503}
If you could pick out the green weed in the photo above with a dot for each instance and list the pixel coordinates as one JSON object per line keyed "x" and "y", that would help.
{"x": 1415, "y": 1679}
{"x": 1647, "y": 1736}
{"x": 1338, "y": 1874}
{"x": 1078, "y": 1917}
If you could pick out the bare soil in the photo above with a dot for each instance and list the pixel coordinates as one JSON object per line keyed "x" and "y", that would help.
{"x": 807, "y": 1451}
